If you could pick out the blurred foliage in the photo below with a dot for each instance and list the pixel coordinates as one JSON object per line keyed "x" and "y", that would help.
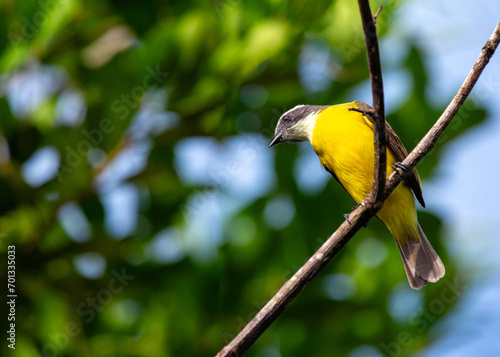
{"x": 211, "y": 62}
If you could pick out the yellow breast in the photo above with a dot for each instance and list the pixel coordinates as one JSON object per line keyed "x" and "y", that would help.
{"x": 343, "y": 140}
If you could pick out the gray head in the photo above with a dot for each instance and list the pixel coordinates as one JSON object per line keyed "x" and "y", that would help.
{"x": 297, "y": 124}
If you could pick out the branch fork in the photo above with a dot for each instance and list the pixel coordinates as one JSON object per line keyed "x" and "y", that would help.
{"x": 381, "y": 188}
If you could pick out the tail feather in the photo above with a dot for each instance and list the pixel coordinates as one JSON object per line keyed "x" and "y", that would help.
{"x": 421, "y": 262}
{"x": 415, "y": 280}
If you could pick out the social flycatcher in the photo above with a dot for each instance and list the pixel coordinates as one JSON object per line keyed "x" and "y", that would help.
{"x": 343, "y": 140}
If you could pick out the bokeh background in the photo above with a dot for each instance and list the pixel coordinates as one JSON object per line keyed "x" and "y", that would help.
{"x": 151, "y": 219}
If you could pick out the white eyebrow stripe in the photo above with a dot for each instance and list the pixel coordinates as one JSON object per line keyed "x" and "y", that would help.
{"x": 291, "y": 110}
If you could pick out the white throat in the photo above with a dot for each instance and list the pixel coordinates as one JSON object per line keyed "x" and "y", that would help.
{"x": 303, "y": 130}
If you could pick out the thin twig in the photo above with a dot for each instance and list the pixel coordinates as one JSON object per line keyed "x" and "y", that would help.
{"x": 358, "y": 217}
{"x": 375, "y": 198}
{"x": 375, "y": 17}
{"x": 427, "y": 143}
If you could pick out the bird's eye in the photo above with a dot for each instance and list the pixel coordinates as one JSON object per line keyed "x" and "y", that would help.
{"x": 287, "y": 118}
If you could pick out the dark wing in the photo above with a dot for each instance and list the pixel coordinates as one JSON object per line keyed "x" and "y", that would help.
{"x": 399, "y": 151}
{"x": 397, "y": 147}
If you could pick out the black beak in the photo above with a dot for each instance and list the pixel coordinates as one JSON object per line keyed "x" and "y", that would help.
{"x": 277, "y": 139}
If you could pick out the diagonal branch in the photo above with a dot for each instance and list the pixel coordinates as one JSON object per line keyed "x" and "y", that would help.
{"x": 429, "y": 140}
{"x": 358, "y": 217}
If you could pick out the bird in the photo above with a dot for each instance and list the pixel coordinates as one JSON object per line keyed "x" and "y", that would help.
{"x": 342, "y": 137}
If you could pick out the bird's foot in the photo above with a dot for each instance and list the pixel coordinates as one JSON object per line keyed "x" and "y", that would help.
{"x": 399, "y": 165}
{"x": 346, "y": 216}
{"x": 369, "y": 112}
